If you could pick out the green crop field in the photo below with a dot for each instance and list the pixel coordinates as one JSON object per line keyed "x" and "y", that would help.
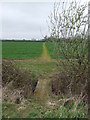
{"x": 21, "y": 50}
{"x": 30, "y": 50}
{"x": 24, "y": 50}
{"x": 50, "y": 48}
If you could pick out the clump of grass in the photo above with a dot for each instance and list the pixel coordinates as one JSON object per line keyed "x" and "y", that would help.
{"x": 19, "y": 80}
{"x": 9, "y": 111}
{"x": 64, "y": 85}
{"x": 71, "y": 108}
{"x": 62, "y": 111}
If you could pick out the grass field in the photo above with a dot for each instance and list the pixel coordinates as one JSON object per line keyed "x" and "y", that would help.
{"x": 21, "y": 50}
{"x": 50, "y": 48}
{"x": 30, "y": 50}
{"x": 37, "y": 67}
{"x": 24, "y": 50}
{"x": 31, "y": 56}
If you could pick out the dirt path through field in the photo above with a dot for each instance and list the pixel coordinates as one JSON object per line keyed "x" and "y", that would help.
{"x": 43, "y": 87}
{"x": 45, "y": 55}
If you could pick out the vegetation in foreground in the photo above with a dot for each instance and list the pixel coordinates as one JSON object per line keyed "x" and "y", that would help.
{"x": 38, "y": 109}
{"x": 20, "y": 102}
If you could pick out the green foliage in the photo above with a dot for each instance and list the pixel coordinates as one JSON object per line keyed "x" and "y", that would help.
{"x": 68, "y": 27}
{"x": 36, "y": 110}
{"x": 35, "y": 113}
{"x": 9, "y": 111}
{"x": 72, "y": 49}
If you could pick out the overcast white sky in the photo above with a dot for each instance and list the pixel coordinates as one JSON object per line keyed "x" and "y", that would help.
{"x": 25, "y": 20}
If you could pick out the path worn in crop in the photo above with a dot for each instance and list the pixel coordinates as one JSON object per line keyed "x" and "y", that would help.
{"x": 43, "y": 87}
{"x": 45, "y": 54}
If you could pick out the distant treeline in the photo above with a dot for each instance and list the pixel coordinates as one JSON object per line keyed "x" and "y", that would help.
{"x": 45, "y": 39}
{"x": 24, "y": 40}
